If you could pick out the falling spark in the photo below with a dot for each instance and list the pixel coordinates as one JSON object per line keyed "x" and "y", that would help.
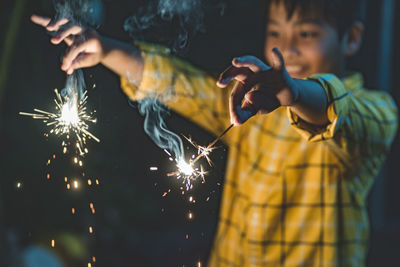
{"x": 199, "y": 264}
{"x": 97, "y": 182}
{"x": 65, "y": 179}
{"x": 89, "y": 182}
{"x": 19, "y": 185}
{"x": 89, "y": 264}
{"x": 53, "y": 243}
{"x": 92, "y": 208}
{"x": 68, "y": 186}
{"x": 90, "y": 229}
{"x": 94, "y": 259}
{"x": 76, "y": 184}
{"x": 73, "y": 210}
{"x": 69, "y": 118}
{"x": 48, "y": 176}
{"x": 190, "y": 215}
{"x": 166, "y": 151}
{"x": 153, "y": 168}
{"x": 190, "y": 199}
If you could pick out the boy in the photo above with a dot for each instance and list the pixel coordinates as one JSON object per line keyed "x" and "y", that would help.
{"x": 297, "y": 178}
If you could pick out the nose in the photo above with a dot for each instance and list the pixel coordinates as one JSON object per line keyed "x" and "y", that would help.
{"x": 290, "y": 48}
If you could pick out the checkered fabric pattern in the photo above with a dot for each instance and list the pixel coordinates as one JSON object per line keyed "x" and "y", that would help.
{"x": 294, "y": 194}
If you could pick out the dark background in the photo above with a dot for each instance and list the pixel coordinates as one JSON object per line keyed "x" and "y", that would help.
{"x": 134, "y": 225}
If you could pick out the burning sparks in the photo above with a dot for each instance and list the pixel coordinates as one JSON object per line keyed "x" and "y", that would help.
{"x": 202, "y": 151}
{"x": 186, "y": 170}
{"x": 70, "y": 118}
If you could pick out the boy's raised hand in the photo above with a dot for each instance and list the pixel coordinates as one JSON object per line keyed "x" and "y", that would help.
{"x": 85, "y": 45}
{"x": 260, "y": 88}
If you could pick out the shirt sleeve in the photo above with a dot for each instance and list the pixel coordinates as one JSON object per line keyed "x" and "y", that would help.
{"x": 359, "y": 119}
{"x": 182, "y": 87}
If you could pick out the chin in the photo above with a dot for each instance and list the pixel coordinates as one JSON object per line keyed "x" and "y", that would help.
{"x": 298, "y": 75}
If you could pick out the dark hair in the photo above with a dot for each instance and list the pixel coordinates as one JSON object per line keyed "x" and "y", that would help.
{"x": 340, "y": 14}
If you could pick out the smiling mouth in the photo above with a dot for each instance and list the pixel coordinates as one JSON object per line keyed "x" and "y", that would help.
{"x": 295, "y": 70}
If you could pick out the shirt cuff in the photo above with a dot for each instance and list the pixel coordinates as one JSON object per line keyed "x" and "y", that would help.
{"x": 157, "y": 73}
{"x": 337, "y": 96}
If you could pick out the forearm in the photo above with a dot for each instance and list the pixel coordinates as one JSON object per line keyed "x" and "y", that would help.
{"x": 123, "y": 59}
{"x": 311, "y": 104}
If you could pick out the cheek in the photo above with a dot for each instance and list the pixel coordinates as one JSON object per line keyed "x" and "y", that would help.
{"x": 322, "y": 57}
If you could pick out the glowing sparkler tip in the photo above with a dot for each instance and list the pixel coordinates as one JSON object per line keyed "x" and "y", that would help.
{"x": 185, "y": 168}
{"x": 69, "y": 115}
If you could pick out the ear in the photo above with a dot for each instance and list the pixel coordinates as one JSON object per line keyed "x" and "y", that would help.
{"x": 353, "y": 38}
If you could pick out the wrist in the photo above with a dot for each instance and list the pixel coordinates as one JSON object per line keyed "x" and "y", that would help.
{"x": 105, "y": 48}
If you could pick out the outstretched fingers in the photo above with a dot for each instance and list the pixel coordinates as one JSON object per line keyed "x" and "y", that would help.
{"x": 71, "y": 55}
{"x": 251, "y": 62}
{"x": 277, "y": 58}
{"x": 55, "y": 25}
{"x": 235, "y": 103}
{"x": 233, "y": 73}
{"x": 65, "y": 35}
{"x": 39, "y": 20}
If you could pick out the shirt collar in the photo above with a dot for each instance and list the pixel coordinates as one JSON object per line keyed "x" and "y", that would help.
{"x": 353, "y": 80}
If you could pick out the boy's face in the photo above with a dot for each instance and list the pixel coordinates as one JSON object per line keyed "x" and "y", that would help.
{"x": 308, "y": 44}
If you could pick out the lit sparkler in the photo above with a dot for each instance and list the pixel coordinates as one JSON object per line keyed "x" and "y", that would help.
{"x": 70, "y": 118}
{"x": 187, "y": 170}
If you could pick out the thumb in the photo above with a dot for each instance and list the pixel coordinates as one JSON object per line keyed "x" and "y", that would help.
{"x": 278, "y": 61}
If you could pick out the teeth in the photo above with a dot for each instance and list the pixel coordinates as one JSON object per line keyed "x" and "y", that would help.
{"x": 293, "y": 68}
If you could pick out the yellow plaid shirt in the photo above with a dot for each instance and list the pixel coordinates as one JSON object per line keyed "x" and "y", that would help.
{"x": 294, "y": 195}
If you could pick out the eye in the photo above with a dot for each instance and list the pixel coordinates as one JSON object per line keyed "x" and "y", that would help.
{"x": 273, "y": 34}
{"x": 309, "y": 34}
